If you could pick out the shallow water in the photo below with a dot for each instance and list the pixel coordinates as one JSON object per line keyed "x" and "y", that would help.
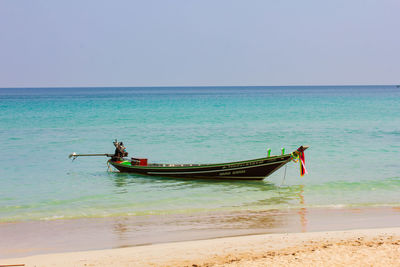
{"x": 43, "y": 237}
{"x": 353, "y": 134}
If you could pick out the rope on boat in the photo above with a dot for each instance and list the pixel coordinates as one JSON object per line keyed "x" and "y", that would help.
{"x": 284, "y": 176}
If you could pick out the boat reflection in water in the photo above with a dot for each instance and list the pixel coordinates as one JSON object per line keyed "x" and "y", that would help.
{"x": 206, "y": 209}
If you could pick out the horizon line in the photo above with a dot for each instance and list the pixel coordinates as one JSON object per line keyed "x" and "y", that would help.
{"x": 197, "y": 86}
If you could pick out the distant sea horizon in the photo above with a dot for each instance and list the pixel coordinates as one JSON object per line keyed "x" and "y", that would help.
{"x": 194, "y": 86}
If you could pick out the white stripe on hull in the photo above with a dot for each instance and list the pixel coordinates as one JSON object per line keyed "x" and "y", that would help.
{"x": 218, "y": 170}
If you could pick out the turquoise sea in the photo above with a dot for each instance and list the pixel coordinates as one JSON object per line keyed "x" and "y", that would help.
{"x": 353, "y": 133}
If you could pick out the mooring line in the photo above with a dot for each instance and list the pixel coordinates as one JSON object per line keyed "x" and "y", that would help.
{"x": 284, "y": 176}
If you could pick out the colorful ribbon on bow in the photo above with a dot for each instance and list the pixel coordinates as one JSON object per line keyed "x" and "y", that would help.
{"x": 298, "y": 156}
{"x": 303, "y": 169}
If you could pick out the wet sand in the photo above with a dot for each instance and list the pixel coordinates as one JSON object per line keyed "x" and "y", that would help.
{"x": 368, "y": 247}
{"x": 44, "y": 237}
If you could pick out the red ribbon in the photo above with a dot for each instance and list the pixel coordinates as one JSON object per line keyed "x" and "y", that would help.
{"x": 303, "y": 169}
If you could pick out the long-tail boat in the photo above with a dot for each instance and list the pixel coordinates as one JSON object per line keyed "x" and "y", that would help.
{"x": 254, "y": 169}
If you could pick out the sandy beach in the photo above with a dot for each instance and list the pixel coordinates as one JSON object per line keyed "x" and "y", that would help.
{"x": 367, "y": 247}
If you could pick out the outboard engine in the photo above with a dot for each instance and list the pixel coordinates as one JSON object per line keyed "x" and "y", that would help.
{"x": 120, "y": 151}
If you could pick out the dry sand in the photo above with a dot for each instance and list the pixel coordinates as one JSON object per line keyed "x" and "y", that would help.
{"x": 370, "y": 247}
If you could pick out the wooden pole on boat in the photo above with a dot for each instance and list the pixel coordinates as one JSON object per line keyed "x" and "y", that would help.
{"x": 74, "y": 155}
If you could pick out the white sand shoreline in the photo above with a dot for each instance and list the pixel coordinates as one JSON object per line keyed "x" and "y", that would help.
{"x": 379, "y": 246}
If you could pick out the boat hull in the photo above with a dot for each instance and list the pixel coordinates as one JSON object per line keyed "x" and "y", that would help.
{"x": 256, "y": 169}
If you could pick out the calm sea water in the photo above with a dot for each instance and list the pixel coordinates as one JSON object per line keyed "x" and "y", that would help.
{"x": 353, "y": 160}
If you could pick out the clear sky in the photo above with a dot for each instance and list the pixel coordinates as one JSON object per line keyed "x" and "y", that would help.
{"x": 198, "y": 43}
